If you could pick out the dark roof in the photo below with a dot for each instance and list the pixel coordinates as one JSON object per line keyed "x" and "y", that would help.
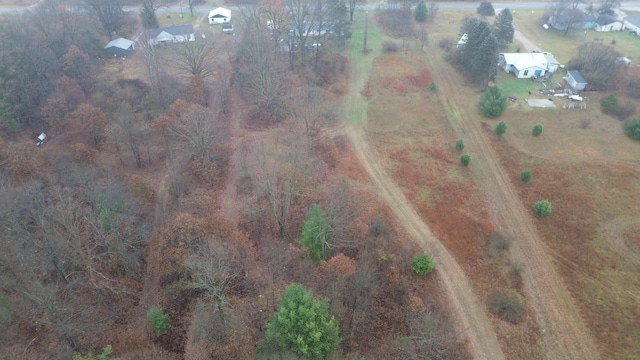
{"x": 575, "y": 74}
{"x": 605, "y": 20}
{"x": 633, "y": 19}
{"x": 173, "y": 30}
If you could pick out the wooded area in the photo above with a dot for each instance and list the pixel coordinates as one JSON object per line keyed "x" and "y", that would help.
{"x": 180, "y": 180}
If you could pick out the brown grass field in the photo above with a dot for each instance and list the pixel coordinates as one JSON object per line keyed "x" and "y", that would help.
{"x": 588, "y": 172}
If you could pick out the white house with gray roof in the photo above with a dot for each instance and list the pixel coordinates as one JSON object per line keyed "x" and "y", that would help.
{"x": 632, "y": 23}
{"x": 171, "y": 35}
{"x": 528, "y": 65}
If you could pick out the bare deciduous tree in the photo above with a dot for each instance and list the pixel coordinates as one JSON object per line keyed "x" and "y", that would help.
{"x": 194, "y": 57}
{"x": 109, "y": 13}
{"x": 195, "y": 126}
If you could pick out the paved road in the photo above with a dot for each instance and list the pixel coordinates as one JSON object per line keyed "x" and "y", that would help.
{"x": 463, "y": 5}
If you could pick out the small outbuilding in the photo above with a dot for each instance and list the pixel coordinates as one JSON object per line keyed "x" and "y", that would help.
{"x": 120, "y": 47}
{"x": 219, "y": 16}
{"x": 575, "y": 80}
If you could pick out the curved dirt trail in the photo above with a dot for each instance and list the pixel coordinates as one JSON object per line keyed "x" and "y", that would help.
{"x": 468, "y": 311}
{"x": 564, "y": 334}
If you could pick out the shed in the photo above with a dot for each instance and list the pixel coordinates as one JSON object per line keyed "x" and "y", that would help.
{"x": 120, "y": 47}
{"x": 575, "y": 80}
{"x": 219, "y": 16}
{"x": 608, "y": 23}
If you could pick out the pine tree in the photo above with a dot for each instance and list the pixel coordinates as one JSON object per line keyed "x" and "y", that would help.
{"x": 316, "y": 233}
{"x": 479, "y": 56}
{"x": 303, "y": 325}
{"x": 492, "y": 102}
{"x": 148, "y": 15}
{"x": 503, "y": 27}
{"x": 421, "y": 12}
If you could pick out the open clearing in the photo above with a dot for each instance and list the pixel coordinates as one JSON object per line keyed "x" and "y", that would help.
{"x": 579, "y": 266}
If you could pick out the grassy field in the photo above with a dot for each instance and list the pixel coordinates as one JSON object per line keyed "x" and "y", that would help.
{"x": 583, "y": 163}
{"x": 564, "y": 47}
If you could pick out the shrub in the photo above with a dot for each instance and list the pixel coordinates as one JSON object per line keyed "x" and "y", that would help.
{"x": 508, "y": 305}
{"x": 585, "y": 123}
{"x": 623, "y": 111}
{"x": 492, "y": 102}
{"x": 445, "y": 44}
{"x": 465, "y": 159}
{"x": 158, "y": 320}
{"x": 608, "y": 104}
{"x": 389, "y": 46}
{"x": 459, "y": 144}
{"x": 501, "y": 128}
{"x": 422, "y": 264}
{"x": 542, "y": 208}
{"x": 632, "y": 129}
{"x": 537, "y": 129}
{"x": 432, "y": 86}
{"x": 486, "y": 9}
{"x": 106, "y": 352}
{"x": 525, "y": 175}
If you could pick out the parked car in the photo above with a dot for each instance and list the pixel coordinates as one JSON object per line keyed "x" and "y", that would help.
{"x": 227, "y": 28}
{"x": 633, "y": 32}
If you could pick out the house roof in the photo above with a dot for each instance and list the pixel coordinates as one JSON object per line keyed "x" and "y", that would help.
{"x": 173, "y": 30}
{"x": 633, "y": 19}
{"x": 121, "y": 43}
{"x": 603, "y": 20}
{"x": 220, "y": 12}
{"x": 575, "y": 74}
{"x": 528, "y": 60}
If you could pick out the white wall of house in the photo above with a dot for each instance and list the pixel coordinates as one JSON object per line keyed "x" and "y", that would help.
{"x": 616, "y": 26}
{"x": 629, "y": 26}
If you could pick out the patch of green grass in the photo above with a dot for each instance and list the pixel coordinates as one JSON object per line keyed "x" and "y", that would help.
{"x": 512, "y": 86}
{"x": 166, "y": 20}
{"x": 361, "y": 62}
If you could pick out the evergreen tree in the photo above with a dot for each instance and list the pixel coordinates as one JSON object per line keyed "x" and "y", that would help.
{"x": 479, "y": 56}
{"x": 148, "y": 16}
{"x": 501, "y": 128}
{"x": 316, "y": 233}
{"x": 492, "y": 102}
{"x": 420, "y": 13}
{"x": 486, "y": 9}
{"x": 303, "y": 325}
{"x": 503, "y": 27}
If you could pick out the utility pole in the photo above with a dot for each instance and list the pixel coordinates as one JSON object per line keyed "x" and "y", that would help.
{"x": 366, "y": 28}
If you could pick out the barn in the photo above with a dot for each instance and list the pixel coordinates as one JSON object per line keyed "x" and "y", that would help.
{"x": 219, "y": 16}
{"x": 120, "y": 47}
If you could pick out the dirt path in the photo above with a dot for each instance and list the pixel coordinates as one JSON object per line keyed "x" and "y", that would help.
{"x": 564, "y": 333}
{"x": 469, "y": 313}
{"x": 528, "y": 45}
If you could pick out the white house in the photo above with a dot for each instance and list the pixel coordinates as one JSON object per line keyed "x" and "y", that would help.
{"x": 632, "y": 23}
{"x": 575, "y": 80}
{"x": 528, "y": 65}
{"x": 608, "y": 23}
{"x": 171, "y": 35}
{"x": 219, "y": 16}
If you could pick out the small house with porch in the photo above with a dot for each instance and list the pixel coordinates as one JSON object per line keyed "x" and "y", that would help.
{"x": 171, "y": 35}
{"x": 219, "y": 16}
{"x": 608, "y": 23}
{"x": 120, "y": 47}
{"x": 528, "y": 65}
{"x": 575, "y": 80}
